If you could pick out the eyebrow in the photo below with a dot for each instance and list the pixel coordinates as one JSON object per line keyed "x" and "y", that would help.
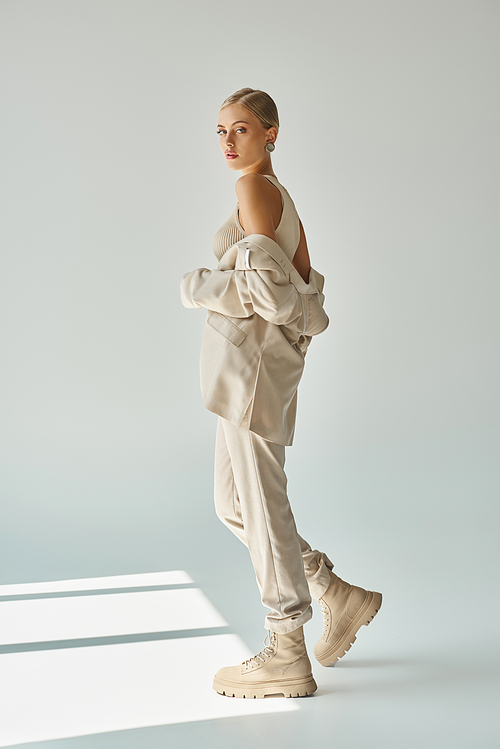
{"x": 235, "y": 123}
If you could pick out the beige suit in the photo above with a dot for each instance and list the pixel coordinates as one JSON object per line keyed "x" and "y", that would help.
{"x": 260, "y": 320}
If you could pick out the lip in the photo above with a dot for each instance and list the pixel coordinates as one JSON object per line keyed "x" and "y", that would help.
{"x": 231, "y": 155}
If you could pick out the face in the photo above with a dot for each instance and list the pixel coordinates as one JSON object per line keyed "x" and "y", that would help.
{"x": 243, "y": 139}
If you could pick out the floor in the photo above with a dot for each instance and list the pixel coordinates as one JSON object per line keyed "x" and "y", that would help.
{"x": 125, "y": 659}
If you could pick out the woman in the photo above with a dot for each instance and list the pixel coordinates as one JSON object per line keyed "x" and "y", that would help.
{"x": 264, "y": 304}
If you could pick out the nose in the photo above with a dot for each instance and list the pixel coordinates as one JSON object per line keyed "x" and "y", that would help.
{"x": 228, "y": 143}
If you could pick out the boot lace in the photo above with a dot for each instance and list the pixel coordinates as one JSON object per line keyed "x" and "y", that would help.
{"x": 268, "y": 650}
{"x": 326, "y": 616}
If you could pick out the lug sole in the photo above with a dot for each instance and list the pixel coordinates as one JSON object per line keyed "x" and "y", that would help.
{"x": 364, "y": 616}
{"x": 287, "y": 687}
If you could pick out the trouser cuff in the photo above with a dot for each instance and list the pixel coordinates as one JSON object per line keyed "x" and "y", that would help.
{"x": 320, "y": 581}
{"x": 283, "y": 626}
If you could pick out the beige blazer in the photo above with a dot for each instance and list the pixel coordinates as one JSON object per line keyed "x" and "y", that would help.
{"x": 261, "y": 317}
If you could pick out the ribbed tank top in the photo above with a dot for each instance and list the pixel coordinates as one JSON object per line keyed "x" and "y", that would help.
{"x": 287, "y": 231}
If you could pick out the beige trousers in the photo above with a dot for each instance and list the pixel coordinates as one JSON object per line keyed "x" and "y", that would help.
{"x": 251, "y": 499}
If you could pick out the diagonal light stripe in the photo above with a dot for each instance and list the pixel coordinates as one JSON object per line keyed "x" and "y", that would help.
{"x": 176, "y": 577}
{"x": 66, "y": 693}
{"x": 47, "y": 619}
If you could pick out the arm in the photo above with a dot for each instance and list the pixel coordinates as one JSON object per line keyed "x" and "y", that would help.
{"x": 259, "y": 205}
{"x": 254, "y": 276}
{"x": 260, "y": 215}
{"x": 227, "y": 291}
{"x": 245, "y": 282}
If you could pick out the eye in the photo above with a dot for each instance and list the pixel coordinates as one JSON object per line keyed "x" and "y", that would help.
{"x": 238, "y": 130}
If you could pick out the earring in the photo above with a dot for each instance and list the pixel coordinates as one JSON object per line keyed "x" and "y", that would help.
{"x": 270, "y": 147}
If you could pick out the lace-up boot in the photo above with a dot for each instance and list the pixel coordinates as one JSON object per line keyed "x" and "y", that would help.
{"x": 282, "y": 667}
{"x": 345, "y": 609}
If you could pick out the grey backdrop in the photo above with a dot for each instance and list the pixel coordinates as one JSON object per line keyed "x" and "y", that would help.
{"x": 113, "y": 185}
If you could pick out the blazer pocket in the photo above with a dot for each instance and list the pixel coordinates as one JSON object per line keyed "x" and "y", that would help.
{"x": 226, "y": 328}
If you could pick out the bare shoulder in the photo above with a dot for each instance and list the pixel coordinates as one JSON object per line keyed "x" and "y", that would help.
{"x": 252, "y": 184}
{"x": 257, "y": 210}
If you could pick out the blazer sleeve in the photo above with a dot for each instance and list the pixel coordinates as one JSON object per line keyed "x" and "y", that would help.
{"x": 262, "y": 287}
{"x": 223, "y": 291}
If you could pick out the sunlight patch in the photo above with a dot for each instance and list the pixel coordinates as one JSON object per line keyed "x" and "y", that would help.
{"x": 68, "y": 692}
{"x": 176, "y": 577}
{"x": 106, "y": 615}
{"x": 54, "y": 694}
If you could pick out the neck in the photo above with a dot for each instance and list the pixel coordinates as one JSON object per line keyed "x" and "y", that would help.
{"x": 263, "y": 167}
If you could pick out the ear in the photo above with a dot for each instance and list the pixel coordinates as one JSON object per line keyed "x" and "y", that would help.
{"x": 271, "y": 134}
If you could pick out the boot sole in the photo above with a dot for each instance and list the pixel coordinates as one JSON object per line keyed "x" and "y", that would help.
{"x": 288, "y": 688}
{"x": 366, "y": 613}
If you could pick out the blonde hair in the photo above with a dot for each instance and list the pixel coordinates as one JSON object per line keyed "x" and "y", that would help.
{"x": 257, "y": 102}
